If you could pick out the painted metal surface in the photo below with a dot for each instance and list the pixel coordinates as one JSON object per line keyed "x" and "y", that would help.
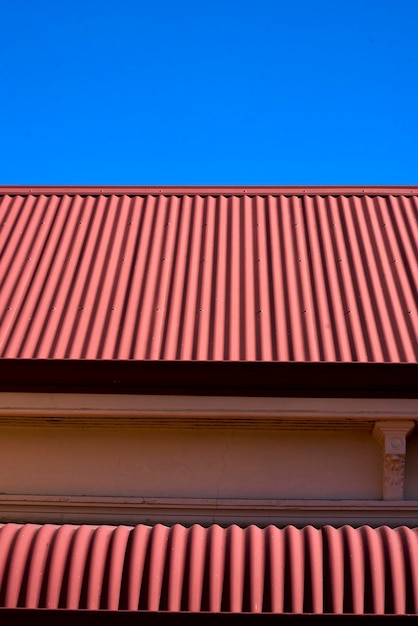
{"x": 222, "y": 275}
{"x": 271, "y": 570}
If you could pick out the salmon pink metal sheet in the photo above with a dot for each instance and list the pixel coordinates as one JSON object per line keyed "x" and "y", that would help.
{"x": 252, "y": 570}
{"x": 269, "y": 274}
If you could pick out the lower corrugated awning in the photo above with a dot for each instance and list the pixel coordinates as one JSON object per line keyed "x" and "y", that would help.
{"x": 210, "y": 570}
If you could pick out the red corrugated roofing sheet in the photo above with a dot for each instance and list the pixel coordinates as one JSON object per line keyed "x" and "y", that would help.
{"x": 301, "y": 275}
{"x": 236, "y": 570}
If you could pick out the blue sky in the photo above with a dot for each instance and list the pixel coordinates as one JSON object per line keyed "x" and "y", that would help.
{"x": 226, "y": 92}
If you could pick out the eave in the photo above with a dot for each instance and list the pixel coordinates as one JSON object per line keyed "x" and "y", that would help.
{"x": 268, "y": 379}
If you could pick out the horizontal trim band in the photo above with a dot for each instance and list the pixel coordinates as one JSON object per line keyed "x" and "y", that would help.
{"x": 113, "y": 410}
{"x": 225, "y": 511}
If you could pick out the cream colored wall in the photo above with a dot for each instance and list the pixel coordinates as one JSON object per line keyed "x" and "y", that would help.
{"x": 194, "y": 459}
{"x": 195, "y": 463}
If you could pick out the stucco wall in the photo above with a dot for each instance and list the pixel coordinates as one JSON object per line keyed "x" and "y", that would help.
{"x": 195, "y": 463}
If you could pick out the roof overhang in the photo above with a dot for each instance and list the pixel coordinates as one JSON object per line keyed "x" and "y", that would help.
{"x": 211, "y": 378}
{"x": 324, "y": 309}
{"x": 44, "y": 617}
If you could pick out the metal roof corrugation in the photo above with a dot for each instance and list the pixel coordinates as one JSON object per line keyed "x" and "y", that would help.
{"x": 236, "y": 570}
{"x": 222, "y": 277}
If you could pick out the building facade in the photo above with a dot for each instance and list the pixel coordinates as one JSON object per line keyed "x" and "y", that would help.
{"x": 208, "y": 402}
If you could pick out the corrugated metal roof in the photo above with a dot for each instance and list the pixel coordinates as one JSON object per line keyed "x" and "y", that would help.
{"x": 235, "y": 570}
{"x": 302, "y": 275}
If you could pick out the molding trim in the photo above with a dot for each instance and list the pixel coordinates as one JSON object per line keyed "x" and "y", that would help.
{"x": 120, "y": 510}
{"x": 147, "y": 411}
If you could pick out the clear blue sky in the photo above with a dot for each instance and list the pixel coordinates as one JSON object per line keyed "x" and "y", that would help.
{"x": 220, "y": 92}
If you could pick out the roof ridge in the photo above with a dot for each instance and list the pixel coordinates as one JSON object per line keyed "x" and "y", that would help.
{"x": 210, "y": 189}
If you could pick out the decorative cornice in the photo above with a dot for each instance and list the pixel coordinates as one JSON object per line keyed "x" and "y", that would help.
{"x": 122, "y": 510}
{"x": 113, "y": 410}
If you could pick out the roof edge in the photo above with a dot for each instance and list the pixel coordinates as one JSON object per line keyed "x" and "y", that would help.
{"x": 100, "y": 617}
{"x": 220, "y": 378}
{"x": 398, "y": 190}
